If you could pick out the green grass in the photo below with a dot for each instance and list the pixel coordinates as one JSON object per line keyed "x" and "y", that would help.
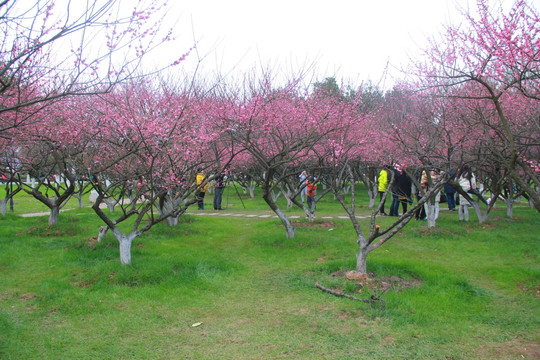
{"x": 63, "y": 296}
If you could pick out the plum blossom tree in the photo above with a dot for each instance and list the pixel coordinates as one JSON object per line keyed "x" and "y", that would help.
{"x": 47, "y": 150}
{"x": 279, "y": 128}
{"x": 54, "y": 49}
{"x": 494, "y": 59}
{"x": 148, "y": 141}
{"x": 9, "y": 170}
{"x": 361, "y": 140}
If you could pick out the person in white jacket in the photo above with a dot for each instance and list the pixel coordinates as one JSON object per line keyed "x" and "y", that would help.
{"x": 467, "y": 181}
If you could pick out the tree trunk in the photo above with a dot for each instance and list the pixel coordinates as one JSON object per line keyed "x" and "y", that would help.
{"x": 80, "y": 198}
{"x": 125, "y": 251}
{"x": 288, "y": 197}
{"x": 510, "y": 207}
{"x": 274, "y": 196}
{"x": 3, "y": 206}
{"x": 125, "y": 245}
{"x": 289, "y": 229}
{"x": 310, "y": 216}
{"x": 373, "y": 191}
{"x": 110, "y": 205}
{"x": 482, "y": 217}
{"x": 102, "y": 232}
{"x": 372, "y": 198}
{"x": 172, "y": 221}
{"x": 430, "y": 214}
{"x": 361, "y": 261}
{"x": 53, "y": 216}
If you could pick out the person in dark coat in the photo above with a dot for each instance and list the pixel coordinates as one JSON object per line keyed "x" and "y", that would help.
{"x": 450, "y": 193}
{"x": 401, "y": 190}
{"x": 218, "y": 194}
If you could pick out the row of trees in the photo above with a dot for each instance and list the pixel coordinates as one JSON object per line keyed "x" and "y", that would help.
{"x": 139, "y": 144}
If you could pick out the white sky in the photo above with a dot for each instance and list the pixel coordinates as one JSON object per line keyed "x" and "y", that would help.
{"x": 349, "y": 39}
{"x": 353, "y": 40}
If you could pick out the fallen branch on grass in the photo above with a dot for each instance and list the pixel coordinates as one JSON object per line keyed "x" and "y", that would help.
{"x": 372, "y": 300}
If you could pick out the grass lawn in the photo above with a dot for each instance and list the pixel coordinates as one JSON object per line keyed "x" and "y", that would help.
{"x": 461, "y": 291}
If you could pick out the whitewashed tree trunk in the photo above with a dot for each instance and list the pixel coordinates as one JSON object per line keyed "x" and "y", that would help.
{"x": 252, "y": 191}
{"x": 286, "y": 191}
{"x": 3, "y": 206}
{"x": 289, "y": 229}
{"x": 80, "y": 199}
{"x": 275, "y": 196}
{"x": 110, "y": 205}
{"x": 288, "y": 194}
{"x": 102, "y": 232}
{"x": 482, "y": 217}
{"x": 372, "y": 193}
{"x": 510, "y": 207}
{"x": 53, "y": 215}
{"x": 430, "y": 214}
{"x": 361, "y": 261}
{"x": 310, "y": 213}
{"x": 169, "y": 205}
{"x": 172, "y": 220}
{"x": 125, "y": 242}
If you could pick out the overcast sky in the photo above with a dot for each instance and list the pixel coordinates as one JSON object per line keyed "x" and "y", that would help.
{"x": 349, "y": 39}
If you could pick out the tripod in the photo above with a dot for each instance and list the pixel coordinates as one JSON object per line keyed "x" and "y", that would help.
{"x": 237, "y": 192}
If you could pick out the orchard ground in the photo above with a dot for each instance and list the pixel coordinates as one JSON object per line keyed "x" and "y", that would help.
{"x": 227, "y": 286}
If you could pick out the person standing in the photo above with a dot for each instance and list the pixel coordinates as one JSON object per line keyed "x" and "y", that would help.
{"x": 218, "y": 194}
{"x": 382, "y": 181}
{"x": 434, "y": 177}
{"x": 466, "y": 181}
{"x": 311, "y": 193}
{"x": 303, "y": 192}
{"x": 202, "y": 186}
{"x": 450, "y": 193}
{"x": 401, "y": 191}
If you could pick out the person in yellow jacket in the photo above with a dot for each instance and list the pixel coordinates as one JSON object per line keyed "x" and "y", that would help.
{"x": 202, "y": 186}
{"x": 382, "y": 181}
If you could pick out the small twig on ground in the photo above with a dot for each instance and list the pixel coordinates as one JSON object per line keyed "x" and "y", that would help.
{"x": 372, "y": 300}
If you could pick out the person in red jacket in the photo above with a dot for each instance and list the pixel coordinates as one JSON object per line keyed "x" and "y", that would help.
{"x": 311, "y": 193}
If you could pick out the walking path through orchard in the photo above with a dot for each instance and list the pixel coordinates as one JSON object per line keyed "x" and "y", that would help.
{"x": 222, "y": 214}
{"x": 219, "y": 214}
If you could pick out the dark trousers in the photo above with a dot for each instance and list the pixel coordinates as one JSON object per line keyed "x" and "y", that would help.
{"x": 200, "y": 199}
{"x": 394, "y": 207}
{"x": 381, "y": 194}
{"x": 420, "y": 213}
{"x": 450, "y": 197}
{"x": 218, "y": 194}
{"x": 311, "y": 203}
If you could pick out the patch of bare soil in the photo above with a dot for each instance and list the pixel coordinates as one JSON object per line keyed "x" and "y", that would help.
{"x": 49, "y": 231}
{"x": 27, "y": 296}
{"x": 82, "y": 284}
{"x": 314, "y": 224}
{"x": 513, "y": 349}
{"x": 26, "y": 231}
{"x": 378, "y": 284}
{"x": 91, "y": 241}
{"x": 534, "y": 290}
